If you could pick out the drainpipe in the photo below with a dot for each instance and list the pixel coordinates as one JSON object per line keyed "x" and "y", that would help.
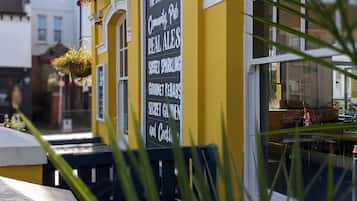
{"x": 80, "y": 26}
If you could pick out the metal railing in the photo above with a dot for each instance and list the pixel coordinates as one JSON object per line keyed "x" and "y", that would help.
{"x": 94, "y": 164}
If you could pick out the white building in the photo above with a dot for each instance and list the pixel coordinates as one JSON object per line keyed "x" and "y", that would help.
{"x": 85, "y": 29}
{"x": 15, "y": 54}
{"x": 54, "y": 21}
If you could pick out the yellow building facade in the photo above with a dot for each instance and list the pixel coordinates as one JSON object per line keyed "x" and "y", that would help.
{"x": 211, "y": 74}
{"x": 212, "y": 67}
{"x": 217, "y": 72}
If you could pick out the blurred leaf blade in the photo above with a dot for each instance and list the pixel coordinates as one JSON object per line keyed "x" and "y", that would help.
{"x": 125, "y": 179}
{"x": 75, "y": 183}
{"x": 147, "y": 172}
{"x": 184, "y": 186}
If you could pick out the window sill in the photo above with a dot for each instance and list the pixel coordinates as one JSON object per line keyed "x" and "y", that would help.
{"x": 42, "y": 43}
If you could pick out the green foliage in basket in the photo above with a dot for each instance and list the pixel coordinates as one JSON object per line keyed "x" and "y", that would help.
{"x": 77, "y": 63}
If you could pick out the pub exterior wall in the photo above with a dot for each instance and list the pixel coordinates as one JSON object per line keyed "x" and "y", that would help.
{"x": 212, "y": 74}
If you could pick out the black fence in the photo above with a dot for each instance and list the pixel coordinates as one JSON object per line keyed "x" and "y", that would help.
{"x": 94, "y": 164}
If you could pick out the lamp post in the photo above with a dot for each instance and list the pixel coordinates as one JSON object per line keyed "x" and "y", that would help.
{"x": 60, "y": 108}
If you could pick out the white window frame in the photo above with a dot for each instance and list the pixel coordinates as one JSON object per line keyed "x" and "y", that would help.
{"x": 54, "y": 29}
{"x": 120, "y": 81}
{"x": 102, "y": 119}
{"x": 38, "y": 29}
{"x": 252, "y": 92}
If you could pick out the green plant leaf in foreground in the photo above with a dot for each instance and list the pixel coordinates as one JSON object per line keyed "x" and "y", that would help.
{"x": 185, "y": 188}
{"x": 198, "y": 177}
{"x": 260, "y": 169}
{"x": 125, "y": 180}
{"x": 74, "y": 182}
{"x": 146, "y": 176}
{"x": 227, "y": 165}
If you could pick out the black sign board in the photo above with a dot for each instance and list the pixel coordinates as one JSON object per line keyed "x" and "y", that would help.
{"x": 163, "y": 67}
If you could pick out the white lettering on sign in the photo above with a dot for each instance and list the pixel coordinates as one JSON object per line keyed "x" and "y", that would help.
{"x": 173, "y": 12}
{"x": 172, "y": 39}
{"x": 154, "y": 67}
{"x": 155, "y": 22}
{"x": 173, "y": 90}
{"x": 164, "y": 133}
{"x": 175, "y": 111}
{"x": 154, "y": 45}
{"x": 152, "y": 130}
{"x": 158, "y": 109}
{"x": 161, "y": 132}
{"x": 156, "y": 89}
{"x": 154, "y": 109}
{"x": 171, "y": 65}
{"x": 152, "y": 3}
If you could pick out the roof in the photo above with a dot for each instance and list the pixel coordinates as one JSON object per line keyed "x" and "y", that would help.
{"x": 12, "y": 7}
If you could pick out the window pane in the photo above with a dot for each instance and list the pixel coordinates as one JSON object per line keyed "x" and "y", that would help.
{"x": 297, "y": 84}
{"x": 58, "y": 36}
{"x": 126, "y": 63}
{"x": 42, "y": 22}
{"x": 42, "y": 25}
{"x": 125, "y": 107}
{"x": 303, "y": 93}
{"x": 125, "y": 36}
{"x": 58, "y": 23}
{"x": 42, "y": 34}
{"x": 291, "y": 21}
{"x": 317, "y": 31}
{"x": 121, "y": 36}
{"x": 121, "y": 63}
{"x": 352, "y": 16}
{"x": 261, "y": 9}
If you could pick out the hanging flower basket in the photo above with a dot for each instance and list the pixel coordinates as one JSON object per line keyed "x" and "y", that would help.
{"x": 74, "y": 63}
{"x": 79, "y": 70}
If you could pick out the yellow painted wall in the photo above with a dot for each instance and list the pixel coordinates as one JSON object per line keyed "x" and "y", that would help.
{"x": 192, "y": 60}
{"x": 134, "y": 70}
{"x": 32, "y": 174}
{"x": 235, "y": 81}
{"x": 214, "y": 73}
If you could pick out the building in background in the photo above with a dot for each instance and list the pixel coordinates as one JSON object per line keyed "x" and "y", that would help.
{"x": 15, "y": 56}
{"x": 58, "y": 25}
{"x": 85, "y": 31}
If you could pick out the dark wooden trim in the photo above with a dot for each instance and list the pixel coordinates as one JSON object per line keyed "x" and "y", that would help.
{"x": 162, "y": 161}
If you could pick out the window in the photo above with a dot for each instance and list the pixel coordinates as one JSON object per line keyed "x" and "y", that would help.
{"x": 292, "y": 21}
{"x": 285, "y": 18}
{"x": 122, "y": 77}
{"x": 58, "y": 29}
{"x": 288, "y": 88}
{"x": 261, "y": 49}
{"x": 42, "y": 28}
{"x": 100, "y": 92}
